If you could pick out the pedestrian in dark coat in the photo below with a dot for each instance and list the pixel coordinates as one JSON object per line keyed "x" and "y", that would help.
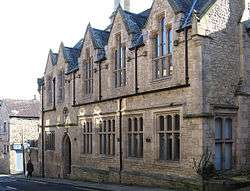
{"x": 30, "y": 169}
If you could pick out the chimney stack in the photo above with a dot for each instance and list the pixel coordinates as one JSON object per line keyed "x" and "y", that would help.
{"x": 124, "y": 3}
{"x": 127, "y": 5}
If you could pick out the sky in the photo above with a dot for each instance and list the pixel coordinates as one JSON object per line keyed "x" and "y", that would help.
{"x": 29, "y": 28}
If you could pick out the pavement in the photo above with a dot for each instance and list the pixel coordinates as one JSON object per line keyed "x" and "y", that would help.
{"x": 20, "y": 183}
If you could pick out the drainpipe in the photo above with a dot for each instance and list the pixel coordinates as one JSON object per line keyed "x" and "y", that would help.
{"x": 74, "y": 89}
{"x": 54, "y": 93}
{"x": 42, "y": 121}
{"x": 100, "y": 81}
{"x": 186, "y": 55}
{"x": 136, "y": 73}
{"x": 120, "y": 140}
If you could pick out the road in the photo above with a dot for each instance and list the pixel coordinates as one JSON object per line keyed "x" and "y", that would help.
{"x": 9, "y": 183}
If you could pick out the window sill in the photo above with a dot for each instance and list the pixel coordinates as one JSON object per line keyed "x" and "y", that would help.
{"x": 168, "y": 162}
{"x": 49, "y": 151}
{"x": 137, "y": 159}
{"x": 156, "y": 80}
{"x": 107, "y": 156}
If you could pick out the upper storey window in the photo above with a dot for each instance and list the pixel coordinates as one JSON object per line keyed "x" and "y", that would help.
{"x": 163, "y": 50}
{"x": 120, "y": 63}
{"x": 49, "y": 91}
{"x": 88, "y": 74}
{"x": 61, "y": 86}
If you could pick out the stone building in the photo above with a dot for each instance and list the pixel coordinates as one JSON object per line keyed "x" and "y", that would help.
{"x": 19, "y": 126}
{"x": 141, "y": 100}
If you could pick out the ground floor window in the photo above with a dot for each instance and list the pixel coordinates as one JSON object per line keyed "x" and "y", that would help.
{"x": 135, "y": 137}
{"x": 107, "y": 137}
{"x": 169, "y": 137}
{"x": 223, "y": 143}
{"x": 50, "y": 140}
{"x": 87, "y": 143}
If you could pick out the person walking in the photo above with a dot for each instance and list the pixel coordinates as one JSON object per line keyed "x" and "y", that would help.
{"x": 30, "y": 169}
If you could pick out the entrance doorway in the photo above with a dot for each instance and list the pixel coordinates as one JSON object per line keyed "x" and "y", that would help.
{"x": 66, "y": 154}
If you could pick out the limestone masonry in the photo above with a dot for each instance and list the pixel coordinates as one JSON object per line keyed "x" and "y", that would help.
{"x": 141, "y": 100}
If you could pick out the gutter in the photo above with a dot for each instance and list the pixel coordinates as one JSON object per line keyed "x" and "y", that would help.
{"x": 42, "y": 125}
{"x": 135, "y": 94}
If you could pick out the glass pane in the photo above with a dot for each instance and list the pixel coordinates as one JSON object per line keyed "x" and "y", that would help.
{"x": 177, "y": 122}
{"x": 164, "y": 67}
{"x": 113, "y": 144}
{"x": 129, "y": 145}
{"x": 84, "y": 143}
{"x": 135, "y": 146}
{"x": 109, "y": 144}
{"x": 109, "y": 125}
{"x": 141, "y": 124}
{"x": 177, "y": 147}
{"x": 161, "y": 124}
{"x": 141, "y": 145}
{"x": 104, "y": 144}
{"x": 162, "y": 146}
{"x": 135, "y": 124}
{"x": 129, "y": 124}
{"x": 113, "y": 125}
{"x": 104, "y": 126}
{"x": 169, "y": 146}
{"x": 169, "y": 122}
{"x": 101, "y": 150}
{"x": 218, "y": 156}
{"x": 218, "y": 128}
{"x": 164, "y": 37}
{"x": 228, "y": 156}
{"x": 170, "y": 41}
{"x": 228, "y": 129}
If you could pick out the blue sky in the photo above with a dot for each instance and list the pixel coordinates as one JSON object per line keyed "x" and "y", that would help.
{"x": 29, "y": 28}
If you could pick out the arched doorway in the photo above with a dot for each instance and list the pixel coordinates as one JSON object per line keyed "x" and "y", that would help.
{"x": 66, "y": 155}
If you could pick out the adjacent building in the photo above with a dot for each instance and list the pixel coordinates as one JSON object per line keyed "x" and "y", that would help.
{"x": 19, "y": 127}
{"x": 140, "y": 101}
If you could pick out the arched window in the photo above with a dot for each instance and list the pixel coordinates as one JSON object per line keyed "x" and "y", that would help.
{"x": 169, "y": 138}
{"x": 163, "y": 50}
{"x": 177, "y": 122}
{"x": 161, "y": 122}
{"x": 88, "y": 73}
{"x": 107, "y": 137}
{"x": 120, "y": 63}
{"x": 135, "y": 137}
{"x": 169, "y": 123}
{"x": 87, "y": 142}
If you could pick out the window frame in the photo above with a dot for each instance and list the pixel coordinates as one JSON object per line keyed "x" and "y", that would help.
{"x": 87, "y": 137}
{"x": 224, "y": 141}
{"x": 162, "y": 57}
{"x": 107, "y": 137}
{"x": 50, "y": 140}
{"x": 165, "y": 132}
{"x": 88, "y": 71}
{"x": 135, "y": 134}
{"x": 120, "y": 63}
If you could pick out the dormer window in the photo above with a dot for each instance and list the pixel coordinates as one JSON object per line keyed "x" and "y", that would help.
{"x": 163, "y": 50}
{"x": 120, "y": 63}
{"x": 88, "y": 73}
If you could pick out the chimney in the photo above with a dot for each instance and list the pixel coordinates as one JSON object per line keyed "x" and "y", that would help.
{"x": 116, "y": 4}
{"x": 124, "y": 3}
{"x": 127, "y": 5}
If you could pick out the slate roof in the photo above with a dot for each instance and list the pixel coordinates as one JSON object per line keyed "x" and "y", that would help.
{"x": 71, "y": 56}
{"x": 100, "y": 40}
{"x": 99, "y": 37}
{"x": 22, "y": 108}
{"x": 40, "y": 83}
{"x": 54, "y": 57}
{"x": 247, "y": 25}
